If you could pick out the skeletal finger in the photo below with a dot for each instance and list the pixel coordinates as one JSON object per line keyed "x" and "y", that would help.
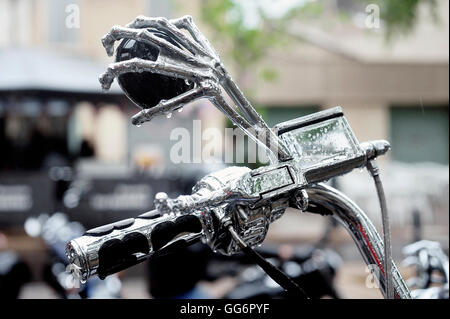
{"x": 187, "y": 23}
{"x": 162, "y": 23}
{"x": 140, "y": 65}
{"x": 117, "y": 33}
{"x": 167, "y": 106}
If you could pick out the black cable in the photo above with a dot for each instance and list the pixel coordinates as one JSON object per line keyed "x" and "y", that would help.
{"x": 374, "y": 171}
{"x": 276, "y": 274}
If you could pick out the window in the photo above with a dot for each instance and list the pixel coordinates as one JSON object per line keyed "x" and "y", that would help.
{"x": 420, "y": 134}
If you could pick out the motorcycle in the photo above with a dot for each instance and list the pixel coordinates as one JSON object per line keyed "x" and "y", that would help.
{"x": 161, "y": 69}
{"x": 432, "y": 269}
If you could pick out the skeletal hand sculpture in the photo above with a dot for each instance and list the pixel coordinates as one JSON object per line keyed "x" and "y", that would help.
{"x": 193, "y": 59}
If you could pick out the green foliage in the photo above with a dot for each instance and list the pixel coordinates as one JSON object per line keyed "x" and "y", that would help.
{"x": 244, "y": 47}
{"x": 400, "y": 17}
{"x": 268, "y": 74}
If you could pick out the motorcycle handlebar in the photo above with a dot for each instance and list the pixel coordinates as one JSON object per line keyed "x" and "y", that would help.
{"x": 114, "y": 247}
{"x": 111, "y": 248}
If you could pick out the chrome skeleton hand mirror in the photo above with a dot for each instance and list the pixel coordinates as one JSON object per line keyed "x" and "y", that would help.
{"x": 162, "y": 68}
{"x": 163, "y": 65}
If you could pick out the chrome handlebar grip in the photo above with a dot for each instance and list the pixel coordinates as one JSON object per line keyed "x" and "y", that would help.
{"x": 223, "y": 198}
{"x": 111, "y": 248}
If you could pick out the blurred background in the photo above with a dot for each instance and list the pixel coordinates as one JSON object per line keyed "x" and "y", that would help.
{"x": 69, "y": 148}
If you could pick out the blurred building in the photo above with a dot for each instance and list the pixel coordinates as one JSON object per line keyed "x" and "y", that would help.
{"x": 54, "y": 114}
{"x": 398, "y": 92}
{"x": 52, "y": 106}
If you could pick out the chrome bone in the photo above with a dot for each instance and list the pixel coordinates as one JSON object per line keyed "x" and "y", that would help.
{"x": 248, "y": 200}
{"x": 198, "y": 63}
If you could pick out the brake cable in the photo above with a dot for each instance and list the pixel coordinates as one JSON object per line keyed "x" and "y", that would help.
{"x": 374, "y": 171}
{"x": 275, "y": 273}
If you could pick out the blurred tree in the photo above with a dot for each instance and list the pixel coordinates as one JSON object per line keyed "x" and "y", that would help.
{"x": 400, "y": 17}
{"x": 247, "y": 29}
{"x": 245, "y": 39}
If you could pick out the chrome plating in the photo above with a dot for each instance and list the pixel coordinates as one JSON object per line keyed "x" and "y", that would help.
{"x": 238, "y": 198}
{"x": 332, "y": 202}
{"x": 200, "y": 64}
